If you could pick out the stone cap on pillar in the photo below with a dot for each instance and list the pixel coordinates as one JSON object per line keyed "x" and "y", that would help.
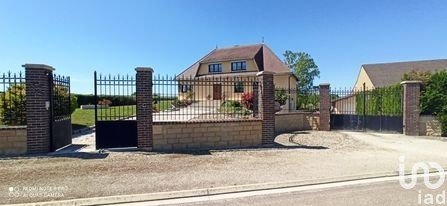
{"x": 264, "y": 72}
{"x": 38, "y": 66}
{"x": 144, "y": 69}
{"x": 411, "y": 82}
{"x": 325, "y": 85}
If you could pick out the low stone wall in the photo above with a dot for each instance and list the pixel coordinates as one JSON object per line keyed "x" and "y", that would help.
{"x": 13, "y": 140}
{"x": 429, "y": 126}
{"x": 179, "y": 136}
{"x": 296, "y": 121}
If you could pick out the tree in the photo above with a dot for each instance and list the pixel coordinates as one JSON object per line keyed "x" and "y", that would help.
{"x": 304, "y": 67}
{"x": 434, "y": 98}
{"x": 424, "y": 77}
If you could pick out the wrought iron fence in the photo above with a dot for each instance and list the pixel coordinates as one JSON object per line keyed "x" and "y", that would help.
{"x": 61, "y": 99}
{"x": 385, "y": 101}
{"x": 12, "y": 99}
{"x": 115, "y": 97}
{"x": 297, "y": 100}
{"x": 308, "y": 100}
{"x": 179, "y": 98}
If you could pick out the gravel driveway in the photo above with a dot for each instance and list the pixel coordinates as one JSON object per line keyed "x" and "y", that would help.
{"x": 303, "y": 156}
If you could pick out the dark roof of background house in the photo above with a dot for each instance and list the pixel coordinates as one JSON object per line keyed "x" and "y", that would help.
{"x": 263, "y": 56}
{"x": 386, "y": 74}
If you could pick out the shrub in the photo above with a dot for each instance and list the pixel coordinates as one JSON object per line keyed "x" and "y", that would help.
{"x": 307, "y": 101}
{"x": 281, "y": 96}
{"x": 434, "y": 98}
{"x": 13, "y": 111}
{"x": 233, "y": 107}
{"x": 105, "y": 102}
{"x": 248, "y": 100}
{"x": 73, "y": 103}
{"x": 443, "y": 120}
{"x": 418, "y": 75}
{"x": 181, "y": 103}
{"x": 86, "y": 99}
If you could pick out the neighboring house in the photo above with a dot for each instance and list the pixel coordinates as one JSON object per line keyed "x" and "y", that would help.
{"x": 386, "y": 74}
{"x": 382, "y": 75}
{"x": 234, "y": 64}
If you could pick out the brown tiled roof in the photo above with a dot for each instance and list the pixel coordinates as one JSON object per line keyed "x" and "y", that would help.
{"x": 263, "y": 56}
{"x": 225, "y": 75}
{"x": 386, "y": 74}
{"x": 233, "y": 53}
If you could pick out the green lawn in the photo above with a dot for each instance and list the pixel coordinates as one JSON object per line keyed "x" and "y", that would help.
{"x": 85, "y": 118}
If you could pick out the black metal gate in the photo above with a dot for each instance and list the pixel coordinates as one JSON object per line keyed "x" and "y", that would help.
{"x": 60, "y": 133}
{"x": 361, "y": 109}
{"x": 115, "y": 111}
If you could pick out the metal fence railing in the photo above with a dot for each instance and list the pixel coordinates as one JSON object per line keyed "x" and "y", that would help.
{"x": 178, "y": 98}
{"x": 385, "y": 101}
{"x": 12, "y": 99}
{"x": 115, "y": 97}
{"x": 297, "y": 100}
{"x": 61, "y": 99}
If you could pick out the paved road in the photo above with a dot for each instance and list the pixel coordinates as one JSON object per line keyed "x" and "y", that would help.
{"x": 374, "y": 193}
{"x": 386, "y": 193}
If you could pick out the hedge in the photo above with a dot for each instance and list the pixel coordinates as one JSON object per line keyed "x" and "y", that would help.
{"x": 386, "y": 101}
{"x": 85, "y": 99}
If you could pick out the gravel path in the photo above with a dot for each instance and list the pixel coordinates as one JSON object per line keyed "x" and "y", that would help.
{"x": 304, "y": 156}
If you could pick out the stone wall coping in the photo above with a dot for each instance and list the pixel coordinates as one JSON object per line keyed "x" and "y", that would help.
{"x": 207, "y": 121}
{"x": 264, "y": 72}
{"x": 324, "y": 84}
{"x": 12, "y": 127}
{"x": 412, "y": 82}
{"x": 38, "y": 66}
{"x": 144, "y": 69}
{"x": 295, "y": 113}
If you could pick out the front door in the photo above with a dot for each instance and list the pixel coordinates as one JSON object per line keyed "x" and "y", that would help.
{"x": 217, "y": 91}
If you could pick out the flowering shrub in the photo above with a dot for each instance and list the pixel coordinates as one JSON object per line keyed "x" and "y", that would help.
{"x": 247, "y": 100}
{"x": 105, "y": 102}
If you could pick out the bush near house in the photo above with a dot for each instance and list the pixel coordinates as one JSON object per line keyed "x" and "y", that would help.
{"x": 308, "y": 100}
{"x": 281, "y": 96}
{"x": 248, "y": 100}
{"x": 233, "y": 107}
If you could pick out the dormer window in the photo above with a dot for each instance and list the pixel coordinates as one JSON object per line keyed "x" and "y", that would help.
{"x": 238, "y": 66}
{"x": 215, "y": 68}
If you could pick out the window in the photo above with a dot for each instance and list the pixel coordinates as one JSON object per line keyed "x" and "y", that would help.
{"x": 184, "y": 88}
{"x": 238, "y": 66}
{"x": 239, "y": 87}
{"x": 215, "y": 68}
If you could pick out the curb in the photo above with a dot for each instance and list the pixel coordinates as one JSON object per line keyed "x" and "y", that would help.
{"x": 79, "y": 132}
{"x": 212, "y": 191}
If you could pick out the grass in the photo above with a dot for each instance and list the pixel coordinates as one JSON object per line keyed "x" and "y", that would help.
{"x": 86, "y": 118}
{"x": 163, "y": 105}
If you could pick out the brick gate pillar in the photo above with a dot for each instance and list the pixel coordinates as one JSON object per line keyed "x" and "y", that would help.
{"x": 325, "y": 107}
{"x": 411, "y": 110}
{"x": 144, "y": 107}
{"x": 38, "y": 107}
{"x": 266, "y": 108}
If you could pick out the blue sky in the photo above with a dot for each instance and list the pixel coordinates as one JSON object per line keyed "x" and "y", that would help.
{"x": 78, "y": 37}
